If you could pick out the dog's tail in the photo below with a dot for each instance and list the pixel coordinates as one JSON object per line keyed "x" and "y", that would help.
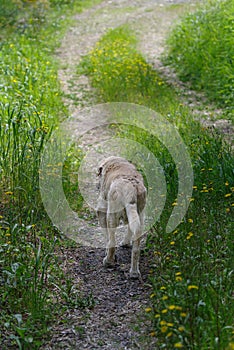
{"x": 133, "y": 220}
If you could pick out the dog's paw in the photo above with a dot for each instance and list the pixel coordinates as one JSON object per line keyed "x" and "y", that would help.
{"x": 108, "y": 263}
{"x": 125, "y": 244}
{"x": 135, "y": 274}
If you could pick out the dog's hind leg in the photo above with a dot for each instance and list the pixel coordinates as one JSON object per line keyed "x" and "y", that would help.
{"x": 134, "y": 271}
{"x": 136, "y": 226}
{"x": 109, "y": 259}
{"x": 126, "y": 242}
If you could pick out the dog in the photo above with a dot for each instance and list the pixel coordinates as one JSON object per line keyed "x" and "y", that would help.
{"x": 122, "y": 195}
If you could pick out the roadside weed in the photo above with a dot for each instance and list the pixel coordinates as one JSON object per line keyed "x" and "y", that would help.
{"x": 31, "y": 278}
{"x": 201, "y": 49}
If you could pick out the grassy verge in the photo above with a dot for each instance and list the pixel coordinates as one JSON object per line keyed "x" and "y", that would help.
{"x": 201, "y": 49}
{"x": 31, "y": 282}
{"x": 191, "y": 269}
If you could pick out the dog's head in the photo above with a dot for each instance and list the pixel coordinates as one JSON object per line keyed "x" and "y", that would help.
{"x": 102, "y": 165}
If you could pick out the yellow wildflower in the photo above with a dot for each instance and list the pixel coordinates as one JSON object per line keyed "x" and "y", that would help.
{"x": 148, "y": 309}
{"x": 179, "y": 308}
{"x": 171, "y": 307}
{"x": 164, "y": 329}
{"x": 163, "y": 323}
{"x": 190, "y": 287}
{"x": 190, "y": 234}
{"x": 179, "y": 279}
{"x": 169, "y": 334}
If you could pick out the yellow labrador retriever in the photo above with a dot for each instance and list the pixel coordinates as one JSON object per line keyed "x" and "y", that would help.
{"x": 122, "y": 196}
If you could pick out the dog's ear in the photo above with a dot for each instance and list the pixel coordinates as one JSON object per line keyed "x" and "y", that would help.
{"x": 99, "y": 171}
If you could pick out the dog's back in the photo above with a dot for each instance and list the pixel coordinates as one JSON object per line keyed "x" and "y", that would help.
{"x": 121, "y": 174}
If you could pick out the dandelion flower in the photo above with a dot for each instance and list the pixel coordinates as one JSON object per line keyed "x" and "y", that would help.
{"x": 179, "y": 308}
{"x": 178, "y": 345}
{"x": 178, "y": 273}
{"x": 179, "y": 279}
{"x": 164, "y": 329}
{"x": 190, "y": 287}
{"x": 148, "y": 309}
{"x": 171, "y": 307}
{"x": 190, "y": 234}
{"x": 163, "y": 323}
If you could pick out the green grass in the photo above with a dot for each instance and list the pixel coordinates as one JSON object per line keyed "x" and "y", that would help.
{"x": 191, "y": 271}
{"x": 118, "y": 71}
{"x": 32, "y": 281}
{"x": 201, "y": 49}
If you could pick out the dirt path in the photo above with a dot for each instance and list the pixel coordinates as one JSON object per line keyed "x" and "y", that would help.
{"x": 117, "y": 320}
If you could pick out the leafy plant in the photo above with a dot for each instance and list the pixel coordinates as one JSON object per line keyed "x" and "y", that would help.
{"x": 201, "y": 49}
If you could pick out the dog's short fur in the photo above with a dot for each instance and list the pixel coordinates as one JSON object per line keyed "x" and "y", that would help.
{"x": 122, "y": 196}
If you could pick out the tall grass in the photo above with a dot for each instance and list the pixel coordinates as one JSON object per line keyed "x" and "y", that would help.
{"x": 118, "y": 71}
{"x": 191, "y": 272}
{"x": 201, "y": 49}
{"x": 30, "y": 108}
